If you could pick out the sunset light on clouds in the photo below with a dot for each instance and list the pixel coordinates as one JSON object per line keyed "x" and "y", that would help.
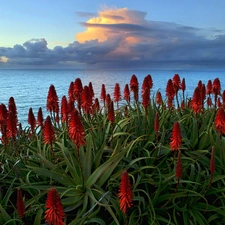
{"x": 120, "y": 37}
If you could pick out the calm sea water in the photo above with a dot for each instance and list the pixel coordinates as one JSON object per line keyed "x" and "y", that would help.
{"x": 30, "y": 87}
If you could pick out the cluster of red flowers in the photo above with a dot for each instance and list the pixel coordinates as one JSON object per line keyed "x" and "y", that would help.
{"x": 125, "y": 193}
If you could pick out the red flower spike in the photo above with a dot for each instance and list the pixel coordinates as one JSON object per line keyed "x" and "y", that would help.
{"x": 150, "y": 81}
{"x": 179, "y": 166}
{"x": 126, "y": 93}
{"x": 145, "y": 84}
{"x": 219, "y": 123}
{"x": 134, "y": 86}
{"x": 64, "y": 109}
{"x": 196, "y": 101}
{"x": 31, "y": 120}
{"x": 199, "y": 84}
{"x": 40, "y": 119}
{"x": 146, "y": 98}
{"x": 209, "y": 102}
{"x": 108, "y": 99}
{"x": 125, "y": 193}
{"x": 216, "y": 87}
{"x": 20, "y": 204}
{"x": 70, "y": 92}
{"x": 170, "y": 92}
{"x": 96, "y": 106}
{"x": 212, "y": 161}
{"x": 209, "y": 87}
{"x": 176, "y": 138}
{"x": 52, "y": 100}
{"x": 3, "y": 114}
{"x": 159, "y": 98}
{"x": 111, "y": 112}
{"x": 103, "y": 93}
{"x": 182, "y": 104}
{"x": 117, "y": 93}
{"x": 49, "y": 133}
{"x": 219, "y": 104}
{"x": 12, "y": 108}
{"x": 176, "y": 83}
{"x": 76, "y": 130}
{"x": 77, "y": 89}
{"x": 91, "y": 91}
{"x": 183, "y": 85}
{"x": 55, "y": 213}
{"x": 86, "y": 100}
{"x": 11, "y": 125}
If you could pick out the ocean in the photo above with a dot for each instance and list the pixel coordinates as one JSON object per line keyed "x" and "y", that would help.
{"x": 30, "y": 87}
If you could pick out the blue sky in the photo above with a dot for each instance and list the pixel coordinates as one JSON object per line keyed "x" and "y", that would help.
{"x": 123, "y": 34}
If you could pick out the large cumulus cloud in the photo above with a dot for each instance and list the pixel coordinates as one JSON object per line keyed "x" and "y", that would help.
{"x": 123, "y": 38}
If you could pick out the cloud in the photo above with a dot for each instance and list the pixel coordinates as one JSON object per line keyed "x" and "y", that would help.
{"x": 123, "y": 38}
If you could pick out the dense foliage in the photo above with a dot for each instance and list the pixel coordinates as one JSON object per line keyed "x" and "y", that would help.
{"x": 124, "y": 159}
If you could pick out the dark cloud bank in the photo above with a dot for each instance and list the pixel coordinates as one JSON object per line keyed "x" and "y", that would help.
{"x": 176, "y": 47}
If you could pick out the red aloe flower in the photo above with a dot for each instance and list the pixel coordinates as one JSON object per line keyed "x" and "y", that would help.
{"x": 219, "y": 123}
{"x": 3, "y": 114}
{"x": 150, "y": 81}
{"x": 159, "y": 98}
{"x": 183, "y": 85}
{"x": 179, "y": 167}
{"x": 203, "y": 93}
{"x": 77, "y": 89}
{"x": 64, "y": 109}
{"x": 40, "y": 119}
{"x": 176, "y": 83}
{"x": 176, "y": 138}
{"x": 108, "y": 99}
{"x": 76, "y": 130}
{"x": 31, "y": 120}
{"x": 12, "y": 108}
{"x": 77, "y": 92}
{"x": 52, "y": 100}
{"x": 125, "y": 193}
{"x": 70, "y": 92}
{"x": 117, "y": 93}
{"x": 209, "y": 101}
{"x": 54, "y": 214}
{"x": 145, "y": 84}
{"x": 134, "y": 86}
{"x": 96, "y": 106}
{"x": 103, "y": 94}
{"x": 111, "y": 112}
{"x": 216, "y": 86}
{"x": 86, "y": 100}
{"x": 219, "y": 104}
{"x": 183, "y": 104}
{"x": 11, "y": 125}
{"x": 91, "y": 91}
{"x": 170, "y": 93}
{"x": 146, "y": 98}
{"x": 126, "y": 93}
{"x": 196, "y": 101}
{"x": 49, "y": 132}
{"x": 20, "y": 204}
{"x": 216, "y": 89}
{"x": 209, "y": 87}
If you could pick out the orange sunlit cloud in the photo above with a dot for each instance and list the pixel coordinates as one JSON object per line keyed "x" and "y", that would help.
{"x": 111, "y": 24}
{"x": 4, "y": 59}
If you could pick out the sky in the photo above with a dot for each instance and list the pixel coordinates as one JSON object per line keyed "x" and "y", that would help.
{"x": 119, "y": 34}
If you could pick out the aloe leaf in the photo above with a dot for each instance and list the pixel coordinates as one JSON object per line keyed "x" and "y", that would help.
{"x": 105, "y": 170}
{"x": 59, "y": 177}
